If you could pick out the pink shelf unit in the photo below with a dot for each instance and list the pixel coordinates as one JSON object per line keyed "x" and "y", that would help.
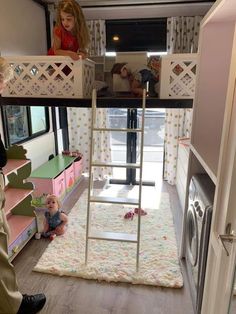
{"x": 13, "y": 197}
{"x": 22, "y": 229}
{"x": 13, "y": 165}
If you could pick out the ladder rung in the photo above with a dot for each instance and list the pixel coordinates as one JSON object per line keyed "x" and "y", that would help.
{"x": 115, "y": 164}
{"x": 117, "y": 130}
{"x": 113, "y": 236}
{"x": 114, "y": 200}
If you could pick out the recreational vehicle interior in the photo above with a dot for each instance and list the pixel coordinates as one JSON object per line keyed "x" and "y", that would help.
{"x": 73, "y": 129}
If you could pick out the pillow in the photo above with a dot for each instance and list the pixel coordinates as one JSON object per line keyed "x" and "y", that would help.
{"x": 154, "y": 63}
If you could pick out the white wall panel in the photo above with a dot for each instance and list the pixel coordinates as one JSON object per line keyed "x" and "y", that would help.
{"x": 22, "y": 28}
{"x": 38, "y": 150}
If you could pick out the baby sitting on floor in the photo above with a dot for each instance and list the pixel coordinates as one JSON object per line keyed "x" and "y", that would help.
{"x": 55, "y": 221}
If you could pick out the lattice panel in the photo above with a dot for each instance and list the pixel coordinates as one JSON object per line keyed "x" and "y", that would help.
{"x": 56, "y": 77}
{"x": 88, "y": 80}
{"x": 178, "y": 75}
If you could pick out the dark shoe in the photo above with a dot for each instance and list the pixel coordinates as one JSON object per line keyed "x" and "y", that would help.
{"x": 32, "y": 304}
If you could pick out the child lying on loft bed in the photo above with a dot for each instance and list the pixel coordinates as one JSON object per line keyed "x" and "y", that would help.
{"x": 139, "y": 76}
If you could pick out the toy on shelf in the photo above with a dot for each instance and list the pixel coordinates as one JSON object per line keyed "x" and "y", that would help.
{"x": 73, "y": 154}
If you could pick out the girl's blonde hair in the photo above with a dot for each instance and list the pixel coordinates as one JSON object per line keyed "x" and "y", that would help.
{"x": 6, "y": 72}
{"x": 54, "y": 198}
{"x": 81, "y": 29}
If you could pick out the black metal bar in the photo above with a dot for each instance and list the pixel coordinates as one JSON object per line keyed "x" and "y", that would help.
{"x": 119, "y": 181}
{"x": 5, "y": 127}
{"x": 64, "y": 127}
{"x": 129, "y": 146}
{"x": 102, "y": 102}
{"x": 133, "y": 144}
{"x": 54, "y": 125}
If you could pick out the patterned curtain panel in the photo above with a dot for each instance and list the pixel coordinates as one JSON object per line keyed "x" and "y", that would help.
{"x": 97, "y": 30}
{"x": 79, "y": 119}
{"x": 79, "y": 125}
{"x": 182, "y": 37}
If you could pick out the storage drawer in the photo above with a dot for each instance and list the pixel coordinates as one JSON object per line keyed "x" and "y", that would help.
{"x": 78, "y": 169}
{"x": 22, "y": 239}
{"x": 69, "y": 178}
{"x": 42, "y": 186}
{"x": 59, "y": 185}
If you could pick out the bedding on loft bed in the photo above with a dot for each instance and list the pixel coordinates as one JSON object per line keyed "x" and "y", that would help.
{"x": 175, "y": 73}
{"x": 61, "y": 77}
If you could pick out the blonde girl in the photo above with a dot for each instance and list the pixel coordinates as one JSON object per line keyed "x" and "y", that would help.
{"x": 71, "y": 35}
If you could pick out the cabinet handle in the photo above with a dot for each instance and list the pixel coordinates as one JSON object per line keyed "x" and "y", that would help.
{"x": 230, "y": 238}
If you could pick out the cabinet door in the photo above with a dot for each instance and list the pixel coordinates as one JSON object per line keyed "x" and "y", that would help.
{"x": 222, "y": 255}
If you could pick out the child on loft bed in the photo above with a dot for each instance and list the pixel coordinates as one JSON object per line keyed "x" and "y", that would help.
{"x": 55, "y": 220}
{"x": 70, "y": 35}
{"x": 138, "y": 75}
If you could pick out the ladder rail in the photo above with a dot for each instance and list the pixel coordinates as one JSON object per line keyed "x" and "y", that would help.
{"x": 90, "y": 187}
{"x": 140, "y": 178}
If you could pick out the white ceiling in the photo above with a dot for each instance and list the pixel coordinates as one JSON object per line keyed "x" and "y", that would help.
{"x": 129, "y": 9}
{"x": 129, "y": 2}
{"x": 95, "y": 3}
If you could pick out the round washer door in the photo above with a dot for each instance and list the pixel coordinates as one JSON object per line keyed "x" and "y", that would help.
{"x": 192, "y": 240}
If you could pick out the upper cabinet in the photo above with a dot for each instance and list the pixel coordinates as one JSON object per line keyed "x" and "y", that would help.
{"x": 214, "y": 88}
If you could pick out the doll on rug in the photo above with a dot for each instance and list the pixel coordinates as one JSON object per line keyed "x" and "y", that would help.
{"x": 55, "y": 221}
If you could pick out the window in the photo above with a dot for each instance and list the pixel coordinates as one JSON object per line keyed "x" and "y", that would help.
{"x": 23, "y": 123}
{"x": 136, "y": 35}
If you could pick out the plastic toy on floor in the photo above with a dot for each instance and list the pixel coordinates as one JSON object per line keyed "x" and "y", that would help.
{"x": 129, "y": 215}
{"x": 141, "y": 211}
{"x": 52, "y": 236}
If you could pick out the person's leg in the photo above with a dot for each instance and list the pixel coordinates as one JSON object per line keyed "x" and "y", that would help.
{"x": 10, "y": 296}
{"x": 147, "y": 76}
{"x": 11, "y": 300}
{"x": 152, "y": 87}
{"x": 60, "y": 230}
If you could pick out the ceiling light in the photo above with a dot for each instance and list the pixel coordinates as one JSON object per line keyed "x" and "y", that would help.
{"x": 116, "y": 38}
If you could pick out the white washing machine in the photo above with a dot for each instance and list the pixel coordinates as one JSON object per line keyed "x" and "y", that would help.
{"x": 198, "y": 224}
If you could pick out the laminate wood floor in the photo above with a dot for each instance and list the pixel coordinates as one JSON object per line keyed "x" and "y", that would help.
{"x": 69, "y": 295}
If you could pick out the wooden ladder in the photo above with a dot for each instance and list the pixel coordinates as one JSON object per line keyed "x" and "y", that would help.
{"x": 114, "y": 236}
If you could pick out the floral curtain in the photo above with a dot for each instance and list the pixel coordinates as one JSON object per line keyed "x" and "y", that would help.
{"x": 79, "y": 125}
{"x": 182, "y": 37}
{"x": 79, "y": 119}
{"x": 97, "y": 30}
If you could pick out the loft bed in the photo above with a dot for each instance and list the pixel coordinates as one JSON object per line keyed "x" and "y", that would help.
{"x": 60, "y": 81}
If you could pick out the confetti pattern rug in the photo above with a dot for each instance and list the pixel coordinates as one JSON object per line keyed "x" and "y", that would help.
{"x": 116, "y": 261}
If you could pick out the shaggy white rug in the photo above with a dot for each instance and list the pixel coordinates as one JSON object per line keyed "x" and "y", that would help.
{"x": 116, "y": 261}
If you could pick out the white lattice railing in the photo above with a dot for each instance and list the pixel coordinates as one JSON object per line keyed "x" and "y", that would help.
{"x": 178, "y": 75}
{"x": 46, "y": 76}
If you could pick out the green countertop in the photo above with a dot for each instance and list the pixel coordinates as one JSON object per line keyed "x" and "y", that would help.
{"x": 53, "y": 167}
